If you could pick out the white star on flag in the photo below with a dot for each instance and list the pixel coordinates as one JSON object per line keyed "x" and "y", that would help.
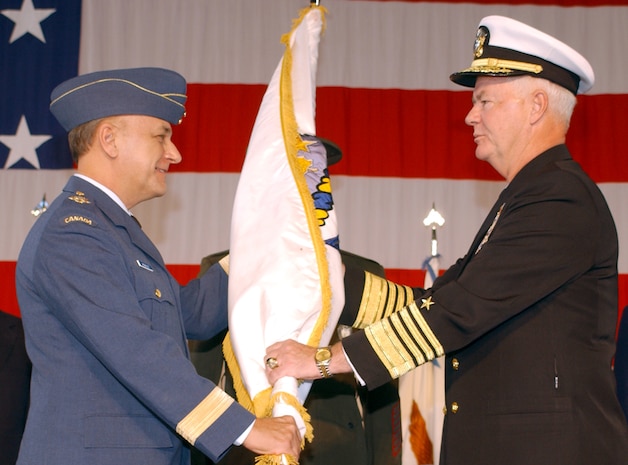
{"x": 23, "y": 145}
{"x": 27, "y": 20}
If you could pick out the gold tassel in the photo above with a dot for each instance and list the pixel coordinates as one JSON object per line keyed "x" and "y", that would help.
{"x": 275, "y": 460}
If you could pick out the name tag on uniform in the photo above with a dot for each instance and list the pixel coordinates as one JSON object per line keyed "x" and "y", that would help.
{"x": 146, "y": 266}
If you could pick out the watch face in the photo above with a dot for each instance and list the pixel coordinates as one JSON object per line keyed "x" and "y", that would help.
{"x": 323, "y": 354}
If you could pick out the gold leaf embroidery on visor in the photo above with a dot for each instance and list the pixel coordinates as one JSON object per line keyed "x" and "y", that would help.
{"x": 495, "y": 65}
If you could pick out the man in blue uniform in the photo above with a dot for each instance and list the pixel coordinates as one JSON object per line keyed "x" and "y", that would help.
{"x": 527, "y": 317}
{"x": 105, "y": 322}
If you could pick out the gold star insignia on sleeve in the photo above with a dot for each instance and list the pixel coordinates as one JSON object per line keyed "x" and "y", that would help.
{"x": 427, "y": 303}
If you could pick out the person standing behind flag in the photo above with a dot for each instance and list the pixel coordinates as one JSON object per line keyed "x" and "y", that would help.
{"x": 105, "y": 322}
{"x": 621, "y": 362}
{"x": 15, "y": 375}
{"x": 352, "y": 425}
{"x": 527, "y": 317}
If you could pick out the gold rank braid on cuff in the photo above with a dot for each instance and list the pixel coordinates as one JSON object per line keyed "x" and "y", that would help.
{"x": 204, "y": 415}
{"x": 403, "y": 341}
{"x": 380, "y": 299}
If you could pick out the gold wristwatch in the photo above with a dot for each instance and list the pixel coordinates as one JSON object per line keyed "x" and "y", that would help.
{"x": 323, "y": 359}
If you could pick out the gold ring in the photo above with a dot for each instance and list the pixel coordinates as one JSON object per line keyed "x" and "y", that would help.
{"x": 271, "y": 362}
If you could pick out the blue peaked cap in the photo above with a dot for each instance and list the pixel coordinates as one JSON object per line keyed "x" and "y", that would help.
{"x": 154, "y": 92}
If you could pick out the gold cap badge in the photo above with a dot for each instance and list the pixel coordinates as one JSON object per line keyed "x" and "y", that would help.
{"x": 481, "y": 38}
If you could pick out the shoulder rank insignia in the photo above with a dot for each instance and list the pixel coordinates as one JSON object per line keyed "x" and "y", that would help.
{"x": 490, "y": 229}
{"x": 427, "y": 303}
{"x": 79, "y": 197}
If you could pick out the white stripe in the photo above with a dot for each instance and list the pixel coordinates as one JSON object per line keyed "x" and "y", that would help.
{"x": 366, "y": 44}
{"x": 374, "y": 219}
{"x": 381, "y": 218}
{"x": 20, "y": 192}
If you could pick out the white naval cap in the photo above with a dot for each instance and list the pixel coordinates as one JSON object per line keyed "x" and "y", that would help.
{"x": 506, "y": 47}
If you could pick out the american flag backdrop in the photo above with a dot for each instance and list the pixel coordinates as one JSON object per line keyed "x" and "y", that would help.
{"x": 383, "y": 96}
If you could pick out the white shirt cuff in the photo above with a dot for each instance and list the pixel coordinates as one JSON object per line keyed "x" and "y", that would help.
{"x": 240, "y": 439}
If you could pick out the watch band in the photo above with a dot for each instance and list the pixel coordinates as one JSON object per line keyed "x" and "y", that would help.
{"x": 324, "y": 370}
{"x": 323, "y": 359}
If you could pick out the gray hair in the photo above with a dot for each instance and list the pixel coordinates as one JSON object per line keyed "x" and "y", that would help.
{"x": 561, "y": 101}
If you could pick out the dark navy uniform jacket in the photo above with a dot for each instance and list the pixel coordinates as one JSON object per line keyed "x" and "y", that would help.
{"x": 527, "y": 322}
{"x": 106, "y": 327}
{"x": 621, "y": 362}
{"x": 15, "y": 375}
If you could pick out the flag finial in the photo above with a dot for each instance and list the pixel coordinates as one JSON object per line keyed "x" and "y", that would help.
{"x": 41, "y": 207}
{"x": 434, "y": 220}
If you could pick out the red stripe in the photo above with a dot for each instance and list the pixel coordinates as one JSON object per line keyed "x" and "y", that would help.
{"x": 184, "y": 273}
{"x": 415, "y": 278}
{"x": 8, "y": 298}
{"x": 215, "y": 133}
{"x": 520, "y": 2}
{"x": 430, "y": 137}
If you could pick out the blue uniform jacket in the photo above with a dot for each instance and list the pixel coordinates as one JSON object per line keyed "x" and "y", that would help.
{"x": 106, "y": 327}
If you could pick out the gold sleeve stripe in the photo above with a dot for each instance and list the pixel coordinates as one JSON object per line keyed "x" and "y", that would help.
{"x": 204, "y": 415}
{"x": 421, "y": 325}
{"x": 403, "y": 341}
{"x": 412, "y": 337}
{"x": 385, "y": 344}
{"x": 380, "y": 299}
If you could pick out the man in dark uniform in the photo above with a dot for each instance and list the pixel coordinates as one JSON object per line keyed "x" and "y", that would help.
{"x": 621, "y": 362}
{"x": 527, "y": 317}
{"x": 105, "y": 322}
{"x": 15, "y": 375}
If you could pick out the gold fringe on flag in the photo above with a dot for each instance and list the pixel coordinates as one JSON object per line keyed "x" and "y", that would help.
{"x": 263, "y": 403}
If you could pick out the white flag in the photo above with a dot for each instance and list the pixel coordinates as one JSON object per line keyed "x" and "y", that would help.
{"x": 285, "y": 276}
{"x": 422, "y": 398}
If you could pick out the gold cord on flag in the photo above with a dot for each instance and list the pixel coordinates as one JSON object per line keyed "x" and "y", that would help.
{"x": 294, "y": 143}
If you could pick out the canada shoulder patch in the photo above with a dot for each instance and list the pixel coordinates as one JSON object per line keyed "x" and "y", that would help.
{"x": 80, "y": 218}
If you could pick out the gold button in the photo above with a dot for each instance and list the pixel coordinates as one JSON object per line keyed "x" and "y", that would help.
{"x": 158, "y": 293}
{"x": 454, "y": 407}
{"x": 455, "y": 364}
{"x": 445, "y": 410}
